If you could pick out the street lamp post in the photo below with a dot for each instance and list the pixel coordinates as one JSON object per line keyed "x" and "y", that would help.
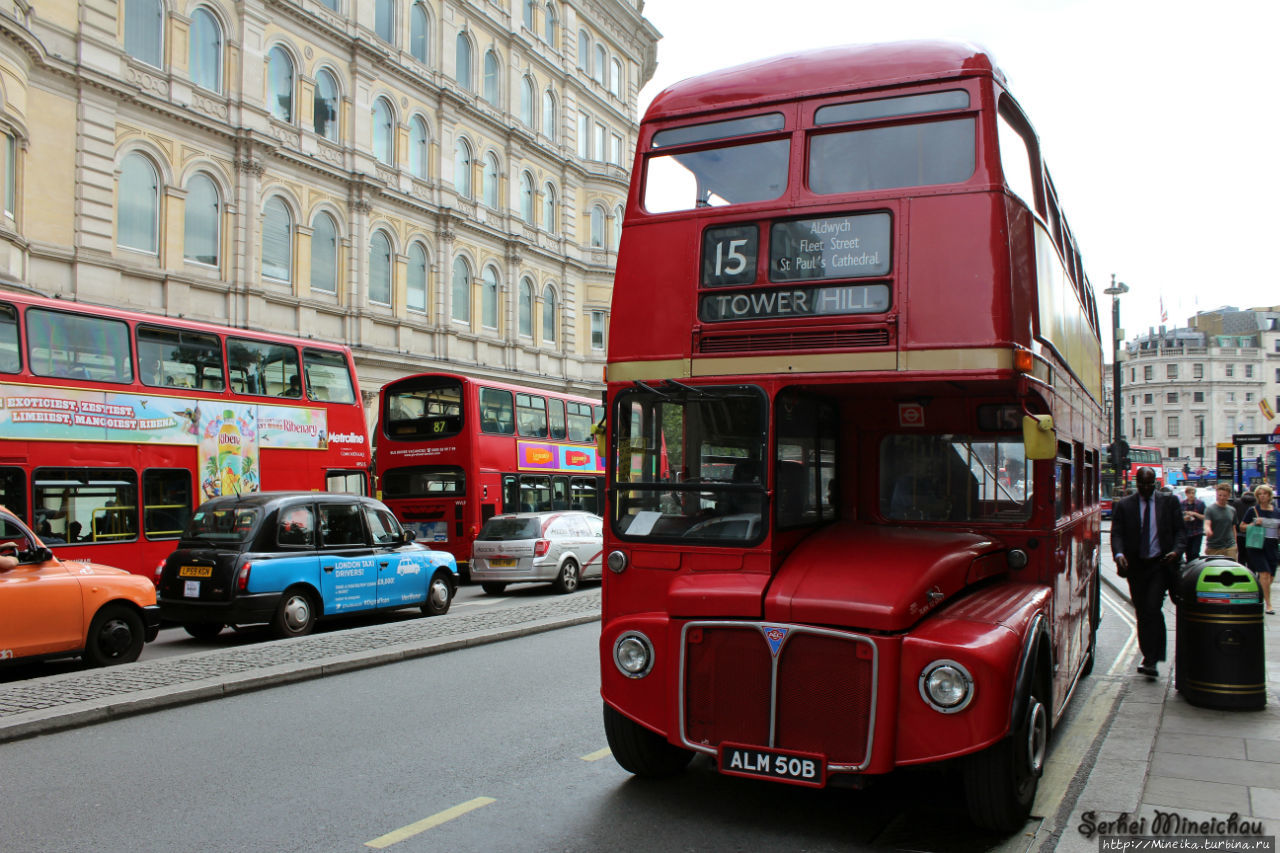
{"x": 1116, "y": 289}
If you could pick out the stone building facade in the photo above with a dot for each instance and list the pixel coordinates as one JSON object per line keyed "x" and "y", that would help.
{"x": 1186, "y": 389}
{"x": 438, "y": 184}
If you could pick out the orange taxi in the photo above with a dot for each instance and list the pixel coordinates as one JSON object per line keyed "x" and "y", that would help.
{"x": 60, "y": 608}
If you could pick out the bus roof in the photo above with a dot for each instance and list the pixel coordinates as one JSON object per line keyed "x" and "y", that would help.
{"x": 489, "y": 383}
{"x": 828, "y": 70}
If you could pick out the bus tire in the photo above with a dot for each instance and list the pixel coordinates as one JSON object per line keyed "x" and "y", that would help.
{"x": 203, "y": 630}
{"x": 295, "y": 615}
{"x": 115, "y": 636}
{"x": 640, "y": 751}
{"x": 567, "y": 580}
{"x": 493, "y": 587}
{"x": 1000, "y": 782}
{"x": 439, "y": 595}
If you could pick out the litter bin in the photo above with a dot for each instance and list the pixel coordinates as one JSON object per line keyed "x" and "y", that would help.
{"x": 1220, "y": 650}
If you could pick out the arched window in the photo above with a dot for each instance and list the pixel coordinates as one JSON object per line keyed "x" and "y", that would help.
{"x": 144, "y": 30}
{"x": 277, "y": 240}
{"x": 384, "y": 20}
{"x": 489, "y": 298}
{"x": 529, "y": 6}
{"x": 462, "y": 167}
{"x": 461, "y": 291}
{"x": 491, "y": 77}
{"x": 550, "y": 26}
{"x": 201, "y": 233}
{"x": 615, "y": 77}
{"x": 597, "y": 226}
{"x": 601, "y": 61}
{"x": 280, "y": 84}
{"x": 138, "y": 205}
{"x": 324, "y": 254}
{"x": 206, "y": 50}
{"x": 383, "y": 131}
{"x": 462, "y": 72}
{"x": 380, "y": 268}
{"x": 324, "y": 111}
{"x": 490, "y": 185}
{"x": 419, "y": 147}
{"x": 526, "y": 101}
{"x": 525, "y": 309}
{"x": 419, "y": 33}
{"x": 549, "y": 115}
{"x": 616, "y": 235}
{"x": 416, "y": 295}
{"x": 584, "y": 50}
{"x": 526, "y": 197}
{"x": 549, "y": 214}
{"x": 548, "y": 315}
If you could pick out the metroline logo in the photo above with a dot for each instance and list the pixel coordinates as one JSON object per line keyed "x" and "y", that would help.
{"x": 346, "y": 438}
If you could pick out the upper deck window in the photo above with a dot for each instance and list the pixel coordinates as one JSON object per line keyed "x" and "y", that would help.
{"x": 930, "y": 102}
{"x": 328, "y": 376}
{"x": 906, "y": 155}
{"x": 10, "y": 360}
{"x": 734, "y": 173}
{"x": 179, "y": 358}
{"x": 77, "y": 346}
{"x": 731, "y": 129}
{"x": 263, "y": 368}
{"x": 429, "y": 408}
{"x": 497, "y": 415}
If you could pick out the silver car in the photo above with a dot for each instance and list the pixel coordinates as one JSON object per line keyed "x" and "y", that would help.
{"x": 560, "y": 548}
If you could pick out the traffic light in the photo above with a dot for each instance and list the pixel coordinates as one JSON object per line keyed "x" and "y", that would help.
{"x": 1124, "y": 454}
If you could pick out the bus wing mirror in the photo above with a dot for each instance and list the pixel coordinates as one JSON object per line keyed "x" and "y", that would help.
{"x": 602, "y": 444}
{"x": 1039, "y": 440}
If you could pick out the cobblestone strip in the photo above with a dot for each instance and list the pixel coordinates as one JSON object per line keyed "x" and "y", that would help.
{"x": 169, "y": 672}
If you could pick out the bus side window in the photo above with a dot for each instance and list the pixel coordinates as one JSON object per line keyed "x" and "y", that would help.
{"x": 10, "y": 360}
{"x": 166, "y": 502}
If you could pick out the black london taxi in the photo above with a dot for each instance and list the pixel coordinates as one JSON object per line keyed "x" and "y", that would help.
{"x": 291, "y": 558}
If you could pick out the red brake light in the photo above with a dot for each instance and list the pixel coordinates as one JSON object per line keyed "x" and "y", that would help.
{"x": 541, "y": 547}
{"x": 242, "y": 577}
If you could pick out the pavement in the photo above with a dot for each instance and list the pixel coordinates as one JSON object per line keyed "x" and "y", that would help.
{"x": 1137, "y": 750}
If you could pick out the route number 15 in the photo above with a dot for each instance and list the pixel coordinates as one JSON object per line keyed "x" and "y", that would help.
{"x": 729, "y": 255}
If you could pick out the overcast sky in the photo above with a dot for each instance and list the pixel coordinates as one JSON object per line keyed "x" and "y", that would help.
{"x": 1158, "y": 120}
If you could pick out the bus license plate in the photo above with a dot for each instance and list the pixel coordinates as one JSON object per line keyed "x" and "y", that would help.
{"x": 800, "y": 768}
{"x": 502, "y": 564}
{"x": 195, "y": 572}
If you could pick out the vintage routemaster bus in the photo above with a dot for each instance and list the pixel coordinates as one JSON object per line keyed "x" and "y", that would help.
{"x": 115, "y": 424}
{"x": 453, "y": 451}
{"x": 853, "y": 462}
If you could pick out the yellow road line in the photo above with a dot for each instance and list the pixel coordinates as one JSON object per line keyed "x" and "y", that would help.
{"x": 598, "y": 754}
{"x": 396, "y": 836}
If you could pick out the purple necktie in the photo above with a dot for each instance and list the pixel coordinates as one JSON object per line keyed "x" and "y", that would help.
{"x": 1146, "y": 527}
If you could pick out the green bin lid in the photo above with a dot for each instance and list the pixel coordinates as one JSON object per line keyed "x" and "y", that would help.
{"x": 1220, "y": 578}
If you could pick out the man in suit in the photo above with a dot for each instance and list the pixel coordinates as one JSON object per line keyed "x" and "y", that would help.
{"x": 1148, "y": 537}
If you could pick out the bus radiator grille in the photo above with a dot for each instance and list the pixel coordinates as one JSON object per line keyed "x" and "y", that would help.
{"x": 824, "y": 691}
{"x": 817, "y": 340}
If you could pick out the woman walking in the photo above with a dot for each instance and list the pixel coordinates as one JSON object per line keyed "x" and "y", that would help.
{"x": 1263, "y": 544}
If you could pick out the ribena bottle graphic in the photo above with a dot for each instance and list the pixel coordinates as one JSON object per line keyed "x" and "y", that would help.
{"x": 229, "y": 454}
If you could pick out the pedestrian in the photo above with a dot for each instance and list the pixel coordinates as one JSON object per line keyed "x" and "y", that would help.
{"x": 1148, "y": 537}
{"x": 1220, "y": 517}
{"x": 1261, "y": 548}
{"x": 1193, "y": 515}
{"x": 1242, "y": 504}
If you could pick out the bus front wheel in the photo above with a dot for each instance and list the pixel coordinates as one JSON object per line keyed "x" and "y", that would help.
{"x": 640, "y": 751}
{"x": 1000, "y": 782}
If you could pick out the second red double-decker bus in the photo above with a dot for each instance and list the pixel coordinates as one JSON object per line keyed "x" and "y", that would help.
{"x": 453, "y": 451}
{"x": 853, "y": 467}
{"x": 115, "y": 424}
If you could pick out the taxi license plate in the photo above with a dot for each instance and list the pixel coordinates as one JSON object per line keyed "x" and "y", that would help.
{"x": 799, "y": 768}
{"x": 195, "y": 572}
{"x": 502, "y": 564}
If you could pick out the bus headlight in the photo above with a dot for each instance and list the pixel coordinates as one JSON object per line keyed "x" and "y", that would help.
{"x": 946, "y": 686}
{"x": 633, "y": 654}
{"x": 1017, "y": 559}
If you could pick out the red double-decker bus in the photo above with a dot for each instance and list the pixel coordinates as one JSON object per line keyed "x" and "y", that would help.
{"x": 116, "y": 424}
{"x": 853, "y": 515}
{"x": 453, "y": 451}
